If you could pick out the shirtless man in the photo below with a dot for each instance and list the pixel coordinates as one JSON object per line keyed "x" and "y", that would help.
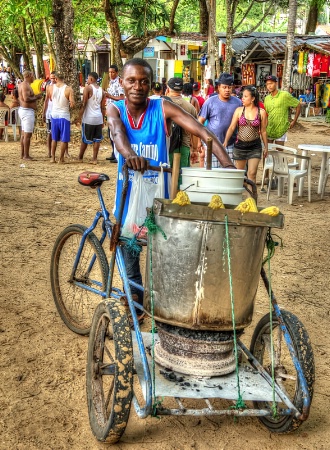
{"x": 63, "y": 100}
{"x": 46, "y": 114}
{"x": 26, "y": 112}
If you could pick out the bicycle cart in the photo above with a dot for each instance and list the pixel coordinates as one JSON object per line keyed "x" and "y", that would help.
{"x": 202, "y": 273}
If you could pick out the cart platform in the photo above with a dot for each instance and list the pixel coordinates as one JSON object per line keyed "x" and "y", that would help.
{"x": 173, "y": 384}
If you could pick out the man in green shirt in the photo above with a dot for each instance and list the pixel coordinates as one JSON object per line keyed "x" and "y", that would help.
{"x": 277, "y": 105}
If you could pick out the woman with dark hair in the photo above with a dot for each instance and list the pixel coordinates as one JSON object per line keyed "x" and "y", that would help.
{"x": 251, "y": 122}
{"x": 209, "y": 88}
{"x": 187, "y": 94}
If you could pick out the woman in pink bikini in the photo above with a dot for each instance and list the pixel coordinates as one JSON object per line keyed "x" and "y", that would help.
{"x": 251, "y": 121}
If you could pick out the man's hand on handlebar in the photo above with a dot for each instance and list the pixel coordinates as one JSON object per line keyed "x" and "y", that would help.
{"x": 137, "y": 163}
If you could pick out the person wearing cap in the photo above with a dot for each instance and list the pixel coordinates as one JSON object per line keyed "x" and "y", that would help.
{"x": 63, "y": 100}
{"x": 91, "y": 116}
{"x": 219, "y": 110}
{"x": 196, "y": 93}
{"x": 277, "y": 105}
{"x": 157, "y": 91}
{"x": 140, "y": 127}
{"x": 174, "y": 92}
{"x": 309, "y": 98}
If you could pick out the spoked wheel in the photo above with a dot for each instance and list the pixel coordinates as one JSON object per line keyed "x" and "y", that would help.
{"x": 109, "y": 373}
{"x": 285, "y": 372}
{"x": 75, "y": 304}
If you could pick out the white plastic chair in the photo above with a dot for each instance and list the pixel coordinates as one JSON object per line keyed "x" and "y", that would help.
{"x": 310, "y": 105}
{"x": 268, "y": 163}
{"x": 14, "y": 121}
{"x": 326, "y": 175}
{"x": 3, "y": 112}
{"x": 282, "y": 171}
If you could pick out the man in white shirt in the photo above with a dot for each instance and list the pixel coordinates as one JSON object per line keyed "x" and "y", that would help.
{"x": 91, "y": 116}
{"x": 114, "y": 93}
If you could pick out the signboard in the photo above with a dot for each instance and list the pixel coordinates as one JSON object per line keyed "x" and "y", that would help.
{"x": 149, "y": 52}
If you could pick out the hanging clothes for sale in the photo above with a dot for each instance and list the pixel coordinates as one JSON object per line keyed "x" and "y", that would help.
{"x": 329, "y": 69}
{"x": 317, "y": 65}
{"x": 295, "y": 59}
{"x": 310, "y": 64}
{"x": 300, "y": 62}
{"x": 324, "y": 64}
{"x": 305, "y": 61}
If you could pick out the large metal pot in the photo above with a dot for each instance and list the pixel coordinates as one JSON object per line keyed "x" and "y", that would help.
{"x": 190, "y": 276}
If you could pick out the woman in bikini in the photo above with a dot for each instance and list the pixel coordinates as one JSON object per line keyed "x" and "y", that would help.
{"x": 251, "y": 121}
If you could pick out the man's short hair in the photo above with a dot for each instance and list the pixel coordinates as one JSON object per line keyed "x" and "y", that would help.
{"x": 139, "y": 62}
{"x": 93, "y": 75}
{"x": 27, "y": 73}
{"x": 114, "y": 66}
{"x": 59, "y": 75}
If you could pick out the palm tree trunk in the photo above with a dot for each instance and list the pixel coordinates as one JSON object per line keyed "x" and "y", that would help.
{"x": 289, "y": 44}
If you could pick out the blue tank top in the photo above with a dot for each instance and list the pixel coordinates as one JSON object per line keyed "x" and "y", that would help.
{"x": 148, "y": 139}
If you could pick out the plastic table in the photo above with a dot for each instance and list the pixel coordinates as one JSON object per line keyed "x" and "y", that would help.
{"x": 325, "y": 150}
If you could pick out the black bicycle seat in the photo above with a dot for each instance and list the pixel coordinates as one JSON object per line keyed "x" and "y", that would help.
{"x": 92, "y": 179}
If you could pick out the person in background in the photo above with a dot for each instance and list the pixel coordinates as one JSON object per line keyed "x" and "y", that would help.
{"x": 219, "y": 110}
{"x": 47, "y": 110}
{"x": 292, "y": 92}
{"x": 309, "y": 98}
{"x": 91, "y": 116}
{"x": 208, "y": 88}
{"x": 4, "y": 105}
{"x": 187, "y": 94}
{"x": 164, "y": 85}
{"x": 15, "y": 104}
{"x": 197, "y": 93}
{"x": 63, "y": 100}
{"x": 277, "y": 106}
{"x": 114, "y": 93}
{"x": 157, "y": 90}
{"x": 251, "y": 122}
{"x": 216, "y": 86}
{"x": 26, "y": 112}
{"x": 188, "y": 149}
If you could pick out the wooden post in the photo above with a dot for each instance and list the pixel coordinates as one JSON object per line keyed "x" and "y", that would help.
{"x": 175, "y": 174}
{"x": 209, "y": 153}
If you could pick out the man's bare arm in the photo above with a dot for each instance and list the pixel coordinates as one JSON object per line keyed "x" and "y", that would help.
{"x": 118, "y": 132}
{"x": 193, "y": 126}
{"x": 70, "y": 97}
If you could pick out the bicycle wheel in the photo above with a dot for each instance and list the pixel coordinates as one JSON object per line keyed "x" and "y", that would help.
{"x": 75, "y": 304}
{"x": 285, "y": 371}
{"x": 109, "y": 373}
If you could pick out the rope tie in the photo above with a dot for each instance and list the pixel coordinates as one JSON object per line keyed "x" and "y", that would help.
{"x": 153, "y": 228}
{"x": 270, "y": 253}
{"x": 240, "y": 404}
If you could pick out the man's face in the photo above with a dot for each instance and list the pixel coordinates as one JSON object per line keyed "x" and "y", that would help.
{"x": 113, "y": 74}
{"x": 52, "y": 79}
{"x": 90, "y": 80}
{"x": 271, "y": 86}
{"x": 30, "y": 78}
{"x": 224, "y": 91}
{"x": 136, "y": 82}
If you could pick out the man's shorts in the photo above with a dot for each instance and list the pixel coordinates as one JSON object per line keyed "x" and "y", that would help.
{"x": 27, "y": 116}
{"x": 283, "y": 138}
{"x": 60, "y": 130}
{"x": 49, "y": 126}
{"x": 91, "y": 133}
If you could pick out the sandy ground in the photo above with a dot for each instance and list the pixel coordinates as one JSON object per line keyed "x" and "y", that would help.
{"x": 42, "y": 363}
